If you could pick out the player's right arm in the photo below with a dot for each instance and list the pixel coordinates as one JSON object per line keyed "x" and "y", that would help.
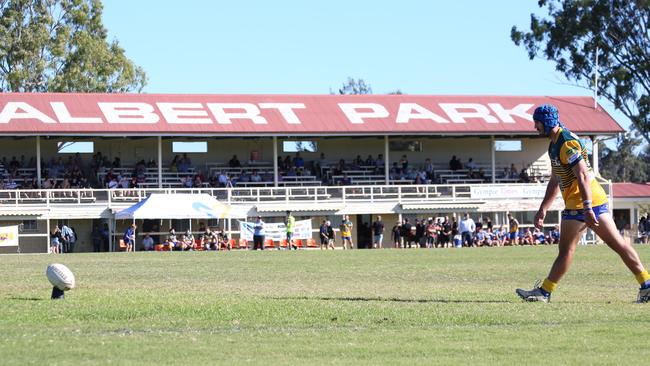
{"x": 552, "y": 190}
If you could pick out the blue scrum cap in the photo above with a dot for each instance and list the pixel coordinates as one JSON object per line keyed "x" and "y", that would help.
{"x": 548, "y": 115}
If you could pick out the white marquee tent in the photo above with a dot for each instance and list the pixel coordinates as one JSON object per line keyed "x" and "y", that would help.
{"x": 180, "y": 206}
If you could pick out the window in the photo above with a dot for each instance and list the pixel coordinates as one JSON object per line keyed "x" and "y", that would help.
{"x": 190, "y": 147}
{"x": 507, "y": 145}
{"x": 405, "y": 145}
{"x": 297, "y": 146}
{"x": 29, "y": 225}
{"x": 73, "y": 147}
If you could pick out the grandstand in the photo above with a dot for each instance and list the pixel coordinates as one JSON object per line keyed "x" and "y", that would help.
{"x": 321, "y": 156}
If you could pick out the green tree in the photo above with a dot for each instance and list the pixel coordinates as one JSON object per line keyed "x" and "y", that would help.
{"x": 623, "y": 164}
{"x": 353, "y": 86}
{"x": 61, "y": 46}
{"x": 614, "y": 30}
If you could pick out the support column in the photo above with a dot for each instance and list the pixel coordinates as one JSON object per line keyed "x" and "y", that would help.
{"x": 159, "y": 161}
{"x": 275, "y": 161}
{"x": 493, "y": 150}
{"x": 49, "y": 247}
{"x": 594, "y": 156}
{"x": 386, "y": 161}
{"x": 38, "y": 168}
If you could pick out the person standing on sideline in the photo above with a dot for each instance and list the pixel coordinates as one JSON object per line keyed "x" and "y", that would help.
{"x": 258, "y": 234}
{"x": 290, "y": 224}
{"x": 378, "y": 233}
{"x": 129, "y": 238}
{"x": 324, "y": 235}
{"x": 513, "y": 230}
{"x": 586, "y": 206}
{"x": 346, "y": 232}
{"x": 467, "y": 228}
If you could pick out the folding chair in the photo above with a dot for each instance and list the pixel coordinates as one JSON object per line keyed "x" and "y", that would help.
{"x": 243, "y": 244}
{"x": 268, "y": 243}
{"x": 311, "y": 243}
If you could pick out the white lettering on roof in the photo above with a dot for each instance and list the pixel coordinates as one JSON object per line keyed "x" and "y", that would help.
{"x": 406, "y": 113}
{"x": 453, "y": 110}
{"x": 184, "y": 113}
{"x": 63, "y": 115}
{"x": 12, "y": 111}
{"x": 129, "y": 113}
{"x": 355, "y": 116}
{"x": 519, "y": 110}
{"x": 250, "y": 111}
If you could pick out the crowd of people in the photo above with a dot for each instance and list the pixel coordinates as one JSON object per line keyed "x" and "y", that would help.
{"x": 102, "y": 172}
{"x": 441, "y": 232}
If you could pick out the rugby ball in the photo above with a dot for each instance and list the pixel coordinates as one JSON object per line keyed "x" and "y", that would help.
{"x": 60, "y": 276}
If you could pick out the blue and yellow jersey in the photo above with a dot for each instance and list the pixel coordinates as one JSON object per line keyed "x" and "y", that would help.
{"x": 566, "y": 152}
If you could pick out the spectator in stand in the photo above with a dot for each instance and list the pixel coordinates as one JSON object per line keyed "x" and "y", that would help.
{"x": 396, "y": 234}
{"x": 223, "y": 179}
{"x": 395, "y": 172}
{"x": 379, "y": 163}
{"x": 466, "y": 228}
{"x": 455, "y": 164}
{"x": 523, "y": 176}
{"x": 369, "y": 161}
{"x": 404, "y": 163}
{"x": 298, "y": 161}
{"x": 117, "y": 163}
{"x": 378, "y": 233}
{"x": 428, "y": 169}
{"x": 346, "y": 181}
{"x": 471, "y": 165}
{"x": 147, "y": 242}
{"x": 187, "y": 181}
{"x": 514, "y": 173}
{"x": 255, "y": 178}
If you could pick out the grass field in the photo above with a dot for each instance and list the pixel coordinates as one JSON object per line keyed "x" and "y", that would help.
{"x": 311, "y": 307}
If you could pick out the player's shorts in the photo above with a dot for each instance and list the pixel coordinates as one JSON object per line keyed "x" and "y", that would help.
{"x": 289, "y": 236}
{"x": 580, "y": 214}
{"x": 513, "y": 235}
{"x": 347, "y": 238}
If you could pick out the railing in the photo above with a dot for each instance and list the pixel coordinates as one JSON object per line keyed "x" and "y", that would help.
{"x": 358, "y": 193}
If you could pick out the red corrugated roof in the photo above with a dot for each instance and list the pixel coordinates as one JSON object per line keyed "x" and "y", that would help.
{"x": 137, "y": 114}
{"x": 623, "y": 190}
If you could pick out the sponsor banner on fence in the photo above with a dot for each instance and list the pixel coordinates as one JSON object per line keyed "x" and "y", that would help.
{"x": 8, "y": 236}
{"x": 276, "y": 231}
{"x": 512, "y": 191}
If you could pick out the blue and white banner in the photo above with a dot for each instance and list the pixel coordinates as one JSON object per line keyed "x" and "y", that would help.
{"x": 276, "y": 231}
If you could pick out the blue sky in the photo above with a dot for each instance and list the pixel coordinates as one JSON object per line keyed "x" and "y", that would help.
{"x": 309, "y": 47}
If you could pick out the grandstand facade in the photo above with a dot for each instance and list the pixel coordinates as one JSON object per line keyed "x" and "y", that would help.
{"x": 319, "y": 156}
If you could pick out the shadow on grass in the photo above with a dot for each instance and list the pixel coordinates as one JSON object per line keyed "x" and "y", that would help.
{"x": 27, "y": 298}
{"x": 390, "y": 299}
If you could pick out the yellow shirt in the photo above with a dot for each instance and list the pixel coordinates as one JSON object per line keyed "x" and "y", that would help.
{"x": 566, "y": 152}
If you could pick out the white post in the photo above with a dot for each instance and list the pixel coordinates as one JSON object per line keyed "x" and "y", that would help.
{"x": 386, "y": 161}
{"x": 275, "y": 161}
{"x": 594, "y": 156}
{"x": 38, "y": 164}
{"x": 49, "y": 249}
{"x": 596, "y": 81}
{"x": 159, "y": 161}
{"x": 493, "y": 149}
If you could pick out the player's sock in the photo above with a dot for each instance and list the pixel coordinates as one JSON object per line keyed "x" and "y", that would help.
{"x": 548, "y": 286}
{"x": 643, "y": 278}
